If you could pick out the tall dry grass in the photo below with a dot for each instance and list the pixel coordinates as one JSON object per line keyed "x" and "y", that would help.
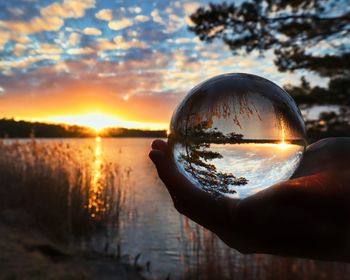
{"x": 69, "y": 192}
{"x": 214, "y": 260}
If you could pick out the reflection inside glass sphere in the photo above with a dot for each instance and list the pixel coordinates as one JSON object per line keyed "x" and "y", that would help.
{"x": 237, "y": 134}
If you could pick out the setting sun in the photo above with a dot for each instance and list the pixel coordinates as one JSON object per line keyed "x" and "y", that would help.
{"x": 283, "y": 145}
{"x": 97, "y": 121}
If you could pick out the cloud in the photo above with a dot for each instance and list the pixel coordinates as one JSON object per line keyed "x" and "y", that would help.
{"x": 35, "y": 25}
{"x": 190, "y": 8}
{"x": 2, "y": 91}
{"x": 135, "y": 9}
{"x": 5, "y": 36}
{"x": 92, "y": 31}
{"x": 25, "y": 62}
{"x": 104, "y": 14}
{"x": 210, "y": 55}
{"x": 17, "y": 12}
{"x": 124, "y": 45}
{"x": 156, "y": 17}
{"x": 132, "y": 33}
{"x": 23, "y": 39}
{"x": 173, "y": 22}
{"x": 51, "y": 19}
{"x": 45, "y": 48}
{"x": 19, "y": 49}
{"x": 183, "y": 40}
{"x": 119, "y": 43}
{"x": 142, "y": 18}
{"x": 106, "y": 75}
{"x": 104, "y": 44}
{"x": 68, "y": 9}
{"x": 61, "y": 66}
{"x": 74, "y": 39}
{"x": 120, "y": 24}
{"x": 80, "y": 51}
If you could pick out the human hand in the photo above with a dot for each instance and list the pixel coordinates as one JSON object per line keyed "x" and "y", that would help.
{"x": 306, "y": 216}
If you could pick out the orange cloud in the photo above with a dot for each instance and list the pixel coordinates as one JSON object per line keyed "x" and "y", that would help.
{"x": 74, "y": 39}
{"x": 68, "y": 9}
{"x": 104, "y": 14}
{"x": 142, "y": 18}
{"x": 37, "y": 24}
{"x": 120, "y": 24}
{"x": 80, "y": 51}
{"x": 92, "y": 31}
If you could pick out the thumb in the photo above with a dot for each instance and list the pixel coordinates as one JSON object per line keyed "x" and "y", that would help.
{"x": 189, "y": 199}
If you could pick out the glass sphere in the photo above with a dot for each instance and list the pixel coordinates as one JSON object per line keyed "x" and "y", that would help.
{"x": 237, "y": 134}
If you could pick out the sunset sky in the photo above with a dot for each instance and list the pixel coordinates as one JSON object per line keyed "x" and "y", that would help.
{"x": 108, "y": 63}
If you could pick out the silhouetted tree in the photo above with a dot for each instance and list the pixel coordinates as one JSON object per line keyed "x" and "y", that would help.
{"x": 304, "y": 34}
{"x": 197, "y": 157}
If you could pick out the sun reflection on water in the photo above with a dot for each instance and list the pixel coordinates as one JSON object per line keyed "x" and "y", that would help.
{"x": 283, "y": 144}
{"x": 96, "y": 203}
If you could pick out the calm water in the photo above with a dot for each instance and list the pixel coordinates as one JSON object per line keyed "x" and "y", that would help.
{"x": 150, "y": 226}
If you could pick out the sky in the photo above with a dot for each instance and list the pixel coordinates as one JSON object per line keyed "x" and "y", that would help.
{"x": 108, "y": 63}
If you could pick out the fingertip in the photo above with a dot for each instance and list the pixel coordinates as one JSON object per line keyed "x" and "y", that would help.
{"x": 158, "y": 144}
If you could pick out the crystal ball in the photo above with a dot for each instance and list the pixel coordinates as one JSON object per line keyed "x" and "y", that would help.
{"x": 237, "y": 134}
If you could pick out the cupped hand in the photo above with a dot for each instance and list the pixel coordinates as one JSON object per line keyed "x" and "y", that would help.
{"x": 307, "y": 216}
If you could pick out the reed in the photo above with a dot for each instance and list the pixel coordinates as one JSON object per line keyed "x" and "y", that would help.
{"x": 70, "y": 192}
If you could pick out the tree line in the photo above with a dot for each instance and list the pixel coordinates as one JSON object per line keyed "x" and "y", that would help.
{"x": 10, "y": 128}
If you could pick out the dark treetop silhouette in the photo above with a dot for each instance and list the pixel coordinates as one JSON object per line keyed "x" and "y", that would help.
{"x": 295, "y": 31}
{"x": 306, "y": 216}
{"x": 196, "y": 156}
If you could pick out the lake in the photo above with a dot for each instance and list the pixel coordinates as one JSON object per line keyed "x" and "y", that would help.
{"x": 152, "y": 233}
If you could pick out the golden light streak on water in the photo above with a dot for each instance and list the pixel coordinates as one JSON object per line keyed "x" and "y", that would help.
{"x": 283, "y": 145}
{"x": 95, "y": 202}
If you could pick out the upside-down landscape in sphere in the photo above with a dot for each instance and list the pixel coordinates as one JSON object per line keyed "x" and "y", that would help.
{"x": 237, "y": 134}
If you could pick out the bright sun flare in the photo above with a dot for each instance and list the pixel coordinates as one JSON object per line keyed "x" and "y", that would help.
{"x": 283, "y": 145}
{"x": 99, "y": 121}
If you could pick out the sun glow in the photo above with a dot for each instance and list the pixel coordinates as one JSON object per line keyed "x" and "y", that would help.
{"x": 283, "y": 145}
{"x": 99, "y": 121}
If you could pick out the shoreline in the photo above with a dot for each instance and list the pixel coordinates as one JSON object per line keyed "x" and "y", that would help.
{"x": 26, "y": 253}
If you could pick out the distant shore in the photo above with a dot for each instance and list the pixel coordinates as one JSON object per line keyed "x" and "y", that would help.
{"x": 10, "y": 128}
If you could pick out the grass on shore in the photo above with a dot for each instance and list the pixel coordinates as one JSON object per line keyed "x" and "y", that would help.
{"x": 68, "y": 192}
